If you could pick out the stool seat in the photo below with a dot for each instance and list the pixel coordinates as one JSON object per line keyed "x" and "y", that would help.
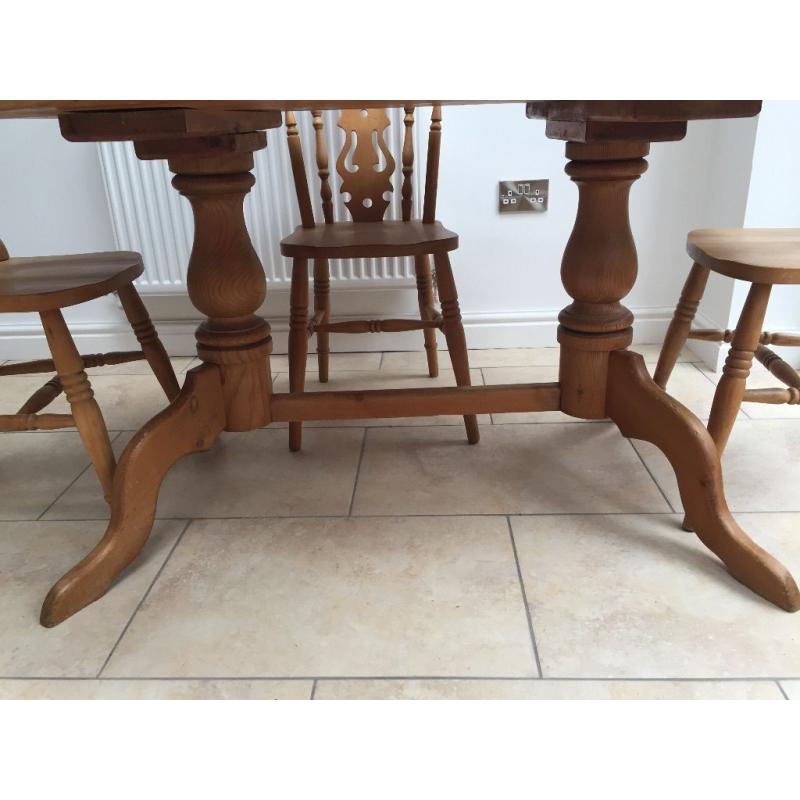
{"x": 757, "y": 255}
{"x": 51, "y": 282}
{"x": 391, "y": 238}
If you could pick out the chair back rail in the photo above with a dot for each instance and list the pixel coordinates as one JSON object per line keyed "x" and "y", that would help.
{"x": 365, "y": 165}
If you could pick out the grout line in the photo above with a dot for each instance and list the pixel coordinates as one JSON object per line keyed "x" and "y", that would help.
{"x": 781, "y": 689}
{"x": 400, "y": 516}
{"x": 320, "y": 678}
{"x": 358, "y": 472}
{"x": 89, "y": 466}
{"x": 524, "y": 599}
{"x": 313, "y": 689}
{"x": 652, "y": 477}
{"x": 144, "y": 597}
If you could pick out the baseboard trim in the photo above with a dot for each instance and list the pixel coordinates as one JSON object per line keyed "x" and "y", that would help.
{"x": 484, "y": 330}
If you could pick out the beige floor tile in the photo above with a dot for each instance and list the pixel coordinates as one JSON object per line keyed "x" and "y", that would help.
{"x": 339, "y": 362}
{"x": 33, "y": 556}
{"x": 760, "y": 467}
{"x": 651, "y": 353}
{"x": 250, "y": 474}
{"x": 509, "y": 357}
{"x": 792, "y": 689}
{"x": 383, "y": 379}
{"x": 635, "y": 596}
{"x": 333, "y": 597}
{"x": 691, "y": 387}
{"x": 515, "y": 469}
{"x": 496, "y": 357}
{"x": 35, "y": 468}
{"x": 179, "y": 365}
{"x": 444, "y": 689}
{"x": 154, "y": 690}
{"x": 543, "y": 374}
{"x": 126, "y": 401}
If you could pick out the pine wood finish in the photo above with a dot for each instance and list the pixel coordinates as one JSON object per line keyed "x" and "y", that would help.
{"x": 47, "y": 285}
{"x": 365, "y": 166}
{"x": 763, "y": 257}
{"x": 231, "y": 391}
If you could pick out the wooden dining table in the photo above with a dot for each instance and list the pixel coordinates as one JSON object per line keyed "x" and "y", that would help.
{"x": 209, "y": 147}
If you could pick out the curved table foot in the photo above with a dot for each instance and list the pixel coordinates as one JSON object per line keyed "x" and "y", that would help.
{"x": 644, "y": 411}
{"x": 191, "y": 423}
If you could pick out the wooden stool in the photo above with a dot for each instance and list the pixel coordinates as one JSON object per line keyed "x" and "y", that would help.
{"x": 369, "y": 236}
{"x": 47, "y": 285}
{"x": 763, "y": 257}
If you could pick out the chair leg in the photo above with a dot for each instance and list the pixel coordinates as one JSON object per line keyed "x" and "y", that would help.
{"x": 298, "y": 341}
{"x": 454, "y": 334}
{"x": 731, "y": 387}
{"x": 322, "y": 303}
{"x": 679, "y": 327}
{"x": 151, "y": 345}
{"x": 422, "y": 267}
{"x": 85, "y": 411}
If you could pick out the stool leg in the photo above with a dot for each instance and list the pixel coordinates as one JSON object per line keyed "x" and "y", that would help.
{"x": 322, "y": 303}
{"x": 298, "y": 341}
{"x": 85, "y": 411}
{"x": 422, "y": 267}
{"x": 454, "y": 334}
{"x": 147, "y": 337}
{"x": 679, "y": 327}
{"x": 730, "y": 390}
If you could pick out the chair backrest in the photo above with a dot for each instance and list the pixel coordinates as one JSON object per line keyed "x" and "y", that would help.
{"x": 365, "y": 165}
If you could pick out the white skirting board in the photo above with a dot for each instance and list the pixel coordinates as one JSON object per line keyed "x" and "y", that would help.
{"x": 484, "y": 330}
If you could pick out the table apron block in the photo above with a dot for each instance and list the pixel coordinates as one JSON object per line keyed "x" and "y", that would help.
{"x": 386, "y": 403}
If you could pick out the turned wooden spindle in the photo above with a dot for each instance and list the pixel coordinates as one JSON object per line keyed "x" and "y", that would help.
{"x": 781, "y": 369}
{"x": 432, "y": 166}
{"x": 42, "y": 397}
{"x": 146, "y": 335}
{"x": 598, "y": 269}
{"x": 731, "y": 387}
{"x": 226, "y": 281}
{"x": 427, "y": 310}
{"x": 408, "y": 162}
{"x": 323, "y": 171}
{"x": 85, "y": 411}
{"x": 454, "y": 334}
{"x": 298, "y": 340}
{"x": 298, "y": 171}
{"x": 679, "y": 327}
{"x": 3, "y": 252}
{"x": 322, "y": 312}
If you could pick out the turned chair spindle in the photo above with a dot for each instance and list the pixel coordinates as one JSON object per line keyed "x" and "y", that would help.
{"x": 365, "y": 168}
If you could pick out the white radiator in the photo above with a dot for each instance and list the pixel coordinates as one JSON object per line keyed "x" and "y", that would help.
{"x": 149, "y": 216}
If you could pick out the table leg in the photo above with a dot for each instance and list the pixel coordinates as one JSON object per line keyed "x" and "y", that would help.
{"x": 600, "y": 378}
{"x": 190, "y": 424}
{"x": 231, "y": 391}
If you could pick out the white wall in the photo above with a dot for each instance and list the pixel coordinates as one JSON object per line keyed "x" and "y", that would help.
{"x": 52, "y": 200}
{"x": 774, "y": 202}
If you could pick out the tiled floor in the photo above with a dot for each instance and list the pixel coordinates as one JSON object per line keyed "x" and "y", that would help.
{"x": 393, "y": 560}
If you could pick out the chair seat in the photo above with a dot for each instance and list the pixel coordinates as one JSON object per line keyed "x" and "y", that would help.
{"x": 50, "y": 282}
{"x": 369, "y": 240}
{"x": 757, "y": 255}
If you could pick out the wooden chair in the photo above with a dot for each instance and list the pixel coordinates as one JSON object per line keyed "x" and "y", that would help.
{"x": 46, "y": 285}
{"x": 368, "y": 189}
{"x": 763, "y": 257}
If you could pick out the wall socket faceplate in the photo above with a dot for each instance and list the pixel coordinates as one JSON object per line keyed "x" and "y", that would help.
{"x": 527, "y": 195}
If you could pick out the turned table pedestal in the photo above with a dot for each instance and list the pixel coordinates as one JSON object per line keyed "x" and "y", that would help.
{"x": 209, "y": 146}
